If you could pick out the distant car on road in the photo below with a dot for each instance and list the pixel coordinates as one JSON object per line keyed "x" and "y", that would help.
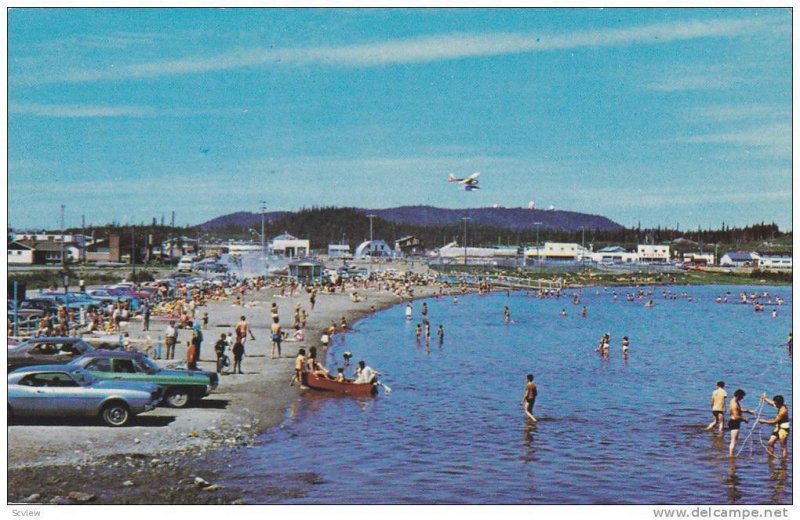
{"x": 69, "y": 391}
{"x": 46, "y": 351}
{"x": 181, "y": 387}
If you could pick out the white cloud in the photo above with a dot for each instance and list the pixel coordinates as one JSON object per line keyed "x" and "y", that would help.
{"x": 777, "y": 137}
{"x": 724, "y": 113}
{"x": 422, "y": 49}
{"x": 78, "y": 111}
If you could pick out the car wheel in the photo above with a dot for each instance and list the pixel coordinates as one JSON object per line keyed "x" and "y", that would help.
{"x": 116, "y": 414}
{"x": 178, "y": 398}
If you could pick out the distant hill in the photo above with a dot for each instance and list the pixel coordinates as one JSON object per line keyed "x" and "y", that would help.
{"x": 510, "y": 219}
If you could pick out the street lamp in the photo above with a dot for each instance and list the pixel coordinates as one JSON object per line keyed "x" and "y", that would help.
{"x": 370, "y": 248}
{"x": 465, "y": 219}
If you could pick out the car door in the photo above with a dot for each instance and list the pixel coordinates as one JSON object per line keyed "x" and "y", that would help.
{"x": 124, "y": 369}
{"x": 53, "y": 394}
{"x": 100, "y": 367}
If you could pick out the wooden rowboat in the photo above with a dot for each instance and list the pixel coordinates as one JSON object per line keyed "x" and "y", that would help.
{"x": 328, "y": 385}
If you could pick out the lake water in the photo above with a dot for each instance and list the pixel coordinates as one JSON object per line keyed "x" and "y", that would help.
{"x": 609, "y": 430}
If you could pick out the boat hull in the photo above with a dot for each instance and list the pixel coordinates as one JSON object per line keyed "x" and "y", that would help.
{"x": 326, "y": 385}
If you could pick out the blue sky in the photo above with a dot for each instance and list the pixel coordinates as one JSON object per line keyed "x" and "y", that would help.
{"x": 658, "y": 116}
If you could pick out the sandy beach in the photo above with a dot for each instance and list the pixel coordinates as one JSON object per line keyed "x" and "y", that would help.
{"x": 168, "y": 440}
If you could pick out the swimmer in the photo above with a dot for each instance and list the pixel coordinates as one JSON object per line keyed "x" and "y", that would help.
{"x": 529, "y": 397}
{"x": 583, "y": 311}
{"x": 718, "y": 398}
{"x": 419, "y": 331}
{"x": 563, "y": 313}
{"x": 408, "y": 311}
{"x": 774, "y": 313}
{"x": 440, "y": 333}
{"x": 735, "y": 422}
{"x": 455, "y": 300}
{"x": 625, "y": 344}
{"x": 781, "y": 422}
{"x": 507, "y": 314}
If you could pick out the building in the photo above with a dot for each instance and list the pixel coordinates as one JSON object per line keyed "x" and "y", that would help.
{"x": 775, "y": 262}
{"x": 20, "y": 254}
{"x": 409, "y": 246}
{"x": 289, "y": 246}
{"x": 339, "y": 251}
{"x": 614, "y": 255}
{"x": 306, "y": 271}
{"x": 699, "y": 258}
{"x": 375, "y": 248}
{"x": 739, "y": 259}
{"x": 556, "y": 252}
{"x": 107, "y": 250}
{"x": 47, "y": 252}
{"x": 653, "y": 254}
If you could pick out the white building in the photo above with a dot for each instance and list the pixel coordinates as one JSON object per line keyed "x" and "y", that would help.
{"x": 614, "y": 255}
{"x": 453, "y": 250}
{"x": 775, "y": 262}
{"x": 699, "y": 258}
{"x": 557, "y": 251}
{"x": 649, "y": 254}
{"x": 339, "y": 251}
{"x": 20, "y": 254}
{"x": 290, "y": 246}
{"x": 377, "y": 248}
{"x": 739, "y": 259}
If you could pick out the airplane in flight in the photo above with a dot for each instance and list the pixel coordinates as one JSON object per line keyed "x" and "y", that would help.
{"x": 469, "y": 183}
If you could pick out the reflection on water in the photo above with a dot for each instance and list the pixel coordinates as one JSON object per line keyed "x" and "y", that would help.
{"x": 611, "y": 430}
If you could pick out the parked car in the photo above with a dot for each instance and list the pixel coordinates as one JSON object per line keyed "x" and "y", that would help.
{"x": 46, "y": 351}
{"x": 180, "y": 387}
{"x": 25, "y": 312}
{"x": 70, "y": 391}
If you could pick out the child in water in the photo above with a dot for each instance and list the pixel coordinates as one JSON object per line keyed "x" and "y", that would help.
{"x": 419, "y": 331}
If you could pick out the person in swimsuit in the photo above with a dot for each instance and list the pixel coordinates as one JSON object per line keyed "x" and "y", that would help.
{"x": 781, "y": 422}
{"x": 718, "y": 397}
{"x": 734, "y": 423}
{"x": 529, "y": 398}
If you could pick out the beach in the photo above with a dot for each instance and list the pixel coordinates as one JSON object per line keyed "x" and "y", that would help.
{"x": 169, "y": 443}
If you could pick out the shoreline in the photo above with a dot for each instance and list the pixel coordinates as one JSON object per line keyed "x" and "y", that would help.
{"x": 170, "y": 446}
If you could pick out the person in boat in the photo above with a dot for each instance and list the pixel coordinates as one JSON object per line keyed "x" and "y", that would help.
{"x": 529, "y": 398}
{"x": 735, "y": 422}
{"x": 315, "y": 366}
{"x": 365, "y": 374}
{"x": 340, "y": 376}
{"x": 781, "y": 423}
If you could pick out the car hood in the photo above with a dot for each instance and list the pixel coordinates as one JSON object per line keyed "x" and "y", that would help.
{"x": 116, "y": 384}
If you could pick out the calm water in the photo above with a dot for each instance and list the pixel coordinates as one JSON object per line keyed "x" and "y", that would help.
{"x": 453, "y": 431}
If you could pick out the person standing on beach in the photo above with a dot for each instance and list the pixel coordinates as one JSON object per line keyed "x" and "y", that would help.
{"x": 219, "y": 350}
{"x": 734, "y": 423}
{"x": 242, "y": 330}
{"x": 276, "y": 337}
{"x": 170, "y": 339}
{"x": 145, "y": 317}
{"x": 718, "y": 397}
{"x": 529, "y": 398}
{"x": 238, "y": 354}
{"x": 313, "y": 298}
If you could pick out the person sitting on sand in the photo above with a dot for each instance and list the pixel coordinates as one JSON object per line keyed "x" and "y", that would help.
{"x": 781, "y": 422}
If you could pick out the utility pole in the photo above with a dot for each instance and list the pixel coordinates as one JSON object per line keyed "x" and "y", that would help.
{"x": 262, "y": 209}
{"x": 82, "y": 254}
{"x": 171, "y": 238}
{"x": 63, "y": 260}
{"x": 465, "y": 219}
{"x": 370, "y": 248}
{"x": 133, "y": 254}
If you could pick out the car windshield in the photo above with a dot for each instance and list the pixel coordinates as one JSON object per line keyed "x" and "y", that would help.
{"x": 83, "y": 377}
{"x": 149, "y": 365}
